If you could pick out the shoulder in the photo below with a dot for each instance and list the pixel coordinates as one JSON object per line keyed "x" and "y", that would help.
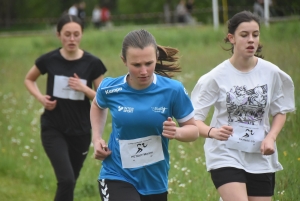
{"x": 89, "y": 55}
{"x": 220, "y": 69}
{"x": 213, "y": 74}
{"x": 165, "y": 81}
{"x": 268, "y": 67}
{"x": 170, "y": 85}
{"x": 48, "y": 56}
{"x": 111, "y": 86}
{"x": 92, "y": 58}
{"x": 209, "y": 81}
{"x": 110, "y": 82}
{"x": 275, "y": 72}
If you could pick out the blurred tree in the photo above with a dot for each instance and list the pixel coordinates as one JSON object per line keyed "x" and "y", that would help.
{"x": 286, "y": 7}
{"x": 12, "y": 11}
{"x": 110, "y": 4}
{"x": 146, "y": 6}
{"x": 6, "y": 8}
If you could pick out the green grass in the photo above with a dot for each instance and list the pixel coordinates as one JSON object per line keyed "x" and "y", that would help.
{"x": 25, "y": 171}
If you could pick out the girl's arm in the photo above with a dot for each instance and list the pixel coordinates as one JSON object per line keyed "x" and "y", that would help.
{"x": 187, "y": 131}
{"x": 98, "y": 118}
{"x": 30, "y": 83}
{"x": 222, "y": 133}
{"x": 267, "y": 145}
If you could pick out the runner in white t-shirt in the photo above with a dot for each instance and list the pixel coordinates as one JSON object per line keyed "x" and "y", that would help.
{"x": 244, "y": 90}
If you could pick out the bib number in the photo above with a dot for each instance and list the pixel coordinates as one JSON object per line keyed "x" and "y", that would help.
{"x": 246, "y": 138}
{"x": 140, "y": 152}
{"x": 61, "y": 89}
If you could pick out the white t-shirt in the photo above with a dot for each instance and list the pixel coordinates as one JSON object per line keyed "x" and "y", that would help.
{"x": 96, "y": 16}
{"x": 246, "y": 98}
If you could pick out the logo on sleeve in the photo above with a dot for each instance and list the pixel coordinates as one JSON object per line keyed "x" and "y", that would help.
{"x": 116, "y": 90}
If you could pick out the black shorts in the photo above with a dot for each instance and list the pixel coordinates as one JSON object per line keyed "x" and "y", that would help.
{"x": 117, "y": 190}
{"x": 256, "y": 184}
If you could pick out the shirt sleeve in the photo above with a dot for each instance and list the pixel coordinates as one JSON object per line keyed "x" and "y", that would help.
{"x": 182, "y": 109}
{"x": 100, "y": 100}
{"x": 98, "y": 68}
{"x": 40, "y": 64}
{"x": 283, "y": 100}
{"x": 204, "y": 95}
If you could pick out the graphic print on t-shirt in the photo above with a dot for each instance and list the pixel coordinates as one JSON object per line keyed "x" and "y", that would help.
{"x": 246, "y": 106}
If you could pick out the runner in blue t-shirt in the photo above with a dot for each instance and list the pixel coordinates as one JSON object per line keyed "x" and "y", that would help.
{"x": 142, "y": 105}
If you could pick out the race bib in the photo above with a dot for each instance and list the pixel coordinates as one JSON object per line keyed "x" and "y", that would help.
{"x": 140, "y": 152}
{"x": 61, "y": 89}
{"x": 246, "y": 137}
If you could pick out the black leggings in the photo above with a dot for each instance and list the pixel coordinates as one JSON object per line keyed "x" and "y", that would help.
{"x": 66, "y": 154}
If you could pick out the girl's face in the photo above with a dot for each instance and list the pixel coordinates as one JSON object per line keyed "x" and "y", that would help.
{"x": 70, "y": 36}
{"x": 141, "y": 65}
{"x": 245, "y": 39}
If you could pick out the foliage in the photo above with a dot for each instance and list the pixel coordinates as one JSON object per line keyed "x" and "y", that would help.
{"x": 25, "y": 171}
{"x": 286, "y": 7}
{"x": 17, "y": 14}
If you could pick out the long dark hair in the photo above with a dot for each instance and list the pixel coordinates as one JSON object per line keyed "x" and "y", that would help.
{"x": 235, "y": 21}
{"x": 166, "y": 56}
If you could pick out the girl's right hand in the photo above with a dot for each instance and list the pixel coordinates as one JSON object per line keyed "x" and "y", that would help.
{"x": 101, "y": 150}
{"x": 222, "y": 133}
{"x": 48, "y": 103}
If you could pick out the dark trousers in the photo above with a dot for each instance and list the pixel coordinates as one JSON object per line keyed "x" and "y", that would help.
{"x": 66, "y": 154}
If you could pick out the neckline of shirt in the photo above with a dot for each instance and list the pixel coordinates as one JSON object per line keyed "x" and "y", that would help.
{"x": 153, "y": 84}
{"x": 240, "y": 72}
{"x": 74, "y": 60}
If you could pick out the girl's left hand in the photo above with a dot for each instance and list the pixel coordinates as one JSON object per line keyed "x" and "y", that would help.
{"x": 169, "y": 129}
{"x": 267, "y": 146}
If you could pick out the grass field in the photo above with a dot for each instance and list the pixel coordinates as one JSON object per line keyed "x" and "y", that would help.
{"x": 25, "y": 171}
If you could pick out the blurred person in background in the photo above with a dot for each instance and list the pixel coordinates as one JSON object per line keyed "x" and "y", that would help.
{"x": 167, "y": 12}
{"x": 181, "y": 12}
{"x": 189, "y": 5}
{"x": 251, "y": 97}
{"x": 81, "y": 11}
{"x": 96, "y": 16}
{"x": 142, "y": 104}
{"x": 73, "y": 10}
{"x": 105, "y": 16}
{"x": 258, "y": 8}
{"x": 65, "y": 123}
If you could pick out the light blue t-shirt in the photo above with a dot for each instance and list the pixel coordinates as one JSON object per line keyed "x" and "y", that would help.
{"x": 139, "y": 151}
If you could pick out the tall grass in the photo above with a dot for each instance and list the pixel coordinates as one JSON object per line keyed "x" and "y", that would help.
{"x": 25, "y": 171}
